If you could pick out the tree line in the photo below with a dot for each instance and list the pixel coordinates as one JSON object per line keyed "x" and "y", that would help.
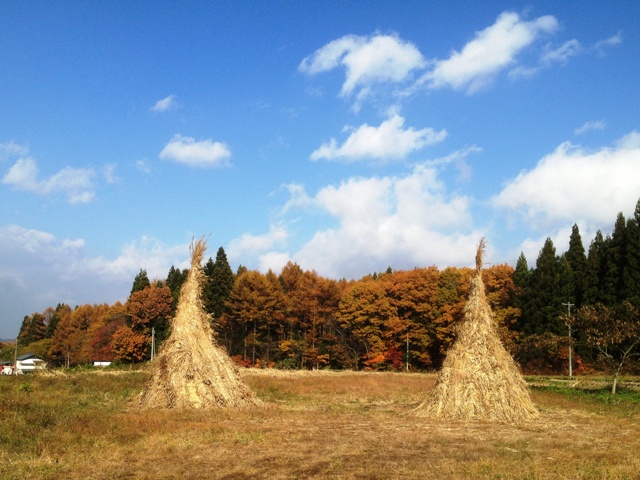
{"x": 396, "y": 320}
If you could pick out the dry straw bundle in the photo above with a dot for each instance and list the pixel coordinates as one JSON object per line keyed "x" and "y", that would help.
{"x": 479, "y": 379}
{"x": 192, "y": 371}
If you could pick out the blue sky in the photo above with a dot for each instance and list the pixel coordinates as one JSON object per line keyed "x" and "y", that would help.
{"x": 344, "y": 136}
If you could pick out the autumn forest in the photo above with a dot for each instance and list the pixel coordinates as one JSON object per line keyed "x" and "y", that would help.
{"x": 392, "y": 320}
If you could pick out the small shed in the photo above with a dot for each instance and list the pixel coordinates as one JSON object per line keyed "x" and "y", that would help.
{"x": 29, "y": 362}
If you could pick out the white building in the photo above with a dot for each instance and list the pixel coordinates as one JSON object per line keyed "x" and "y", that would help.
{"x": 29, "y": 362}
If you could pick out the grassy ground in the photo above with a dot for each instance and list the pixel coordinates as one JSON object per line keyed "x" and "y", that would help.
{"x": 342, "y": 425}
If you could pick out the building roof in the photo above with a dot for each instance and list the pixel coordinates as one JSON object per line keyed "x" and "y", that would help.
{"x": 26, "y": 356}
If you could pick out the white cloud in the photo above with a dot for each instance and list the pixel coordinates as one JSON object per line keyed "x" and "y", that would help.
{"x": 76, "y": 183}
{"x": 608, "y": 42}
{"x": 165, "y": 105}
{"x": 12, "y": 149}
{"x": 23, "y": 175}
{"x": 389, "y": 141}
{"x": 402, "y": 221}
{"x": 562, "y": 53}
{"x": 273, "y": 261}
{"x": 459, "y": 160}
{"x": 493, "y": 49}
{"x": 367, "y": 60}
{"x": 203, "y": 153}
{"x": 298, "y": 198}
{"x": 630, "y": 141}
{"x": 575, "y": 185}
{"x": 143, "y": 165}
{"x": 38, "y": 270}
{"x": 249, "y": 247}
{"x": 589, "y": 126}
{"x": 109, "y": 173}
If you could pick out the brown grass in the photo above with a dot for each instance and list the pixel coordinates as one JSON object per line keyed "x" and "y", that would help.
{"x": 343, "y": 425}
{"x": 192, "y": 371}
{"x": 479, "y": 379}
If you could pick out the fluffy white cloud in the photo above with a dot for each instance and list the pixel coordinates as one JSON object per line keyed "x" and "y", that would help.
{"x": 273, "y": 261}
{"x": 575, "y": 185}
{"x": 203, "y": 153}
{"x": 402, "y": 221}
{"x": 38, "y": 270}
{"x": 76, "y": 183}
{"x": 389, "y": 141}
{"x": 166, "y": 104}
{"x": 491, "y": 51}
{"x": 367, "y": 60}
{"x": 250, "y": 247}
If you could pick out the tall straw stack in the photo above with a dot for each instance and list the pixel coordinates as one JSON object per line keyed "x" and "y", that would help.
{"x": 479, "y": 380}
{"x": 192, "y": 371}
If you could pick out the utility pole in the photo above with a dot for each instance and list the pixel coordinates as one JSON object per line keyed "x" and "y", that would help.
{"x": 407, "y": 348}
{"x": 569, "y": 305}
{"x": 15, "y": 359}
{"x": 153, "y": 342}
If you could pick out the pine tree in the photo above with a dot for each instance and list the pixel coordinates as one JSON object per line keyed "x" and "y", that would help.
{"x": 577, "y": 263}
{"x": 615, "y": 249}
{"x": 522, "y": 273}
{"x": 631, "y": 274}
{"x": 542, "y": 299}
{"x": 175, "y": 279}
{"x": 521, "y": 277}
{"x": 594, "y": 277}
{"x": 140, "y": 282}
{"x": 220, "y": 280}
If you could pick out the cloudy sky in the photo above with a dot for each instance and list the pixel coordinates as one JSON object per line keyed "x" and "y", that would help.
{"x": 345, "y": 136}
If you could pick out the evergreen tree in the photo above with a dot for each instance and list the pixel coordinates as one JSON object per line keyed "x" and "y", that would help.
{"x": 542, "y": 299}
{"x": 631, "y": 273}
{"x": 140, "y": 282}
{"x": 522, "y": 273}
{"x": 175, "y": 279}
{"x": 521, "y": 276}
{"x": 577, "y": 264}
{"x": 594, "y": 277}
{"x": 566, "y": 280}
{"x": 219, "y": 284}
{"x": 207, "y": 295}
{"x": 23, "y": 334}
{"x": 53, "y": 320}
{"x": 615, "y": 249}
{"x": 241, "y": 269}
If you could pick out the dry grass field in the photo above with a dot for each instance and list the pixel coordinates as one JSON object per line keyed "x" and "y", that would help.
{"x": 340, "y": 425}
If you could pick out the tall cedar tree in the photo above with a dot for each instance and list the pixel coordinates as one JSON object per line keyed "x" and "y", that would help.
{"x": 219, "y": 282}
{"x": 612, "y": 291}
{"x": 594, "y": 278}
{"x": 140, "y": 282}
{"x": 53, "y": 322}
{"x": 175, "y": 279}
{"x": 577, "y": 263}
{"x": 542, "y": 299}
{"x": 631, "y": 274}
{"x": 33, "y": 329}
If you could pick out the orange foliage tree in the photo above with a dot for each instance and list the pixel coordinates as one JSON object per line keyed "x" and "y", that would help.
{"x": 365, "y": 312}
{"x": 128, "y": 346}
